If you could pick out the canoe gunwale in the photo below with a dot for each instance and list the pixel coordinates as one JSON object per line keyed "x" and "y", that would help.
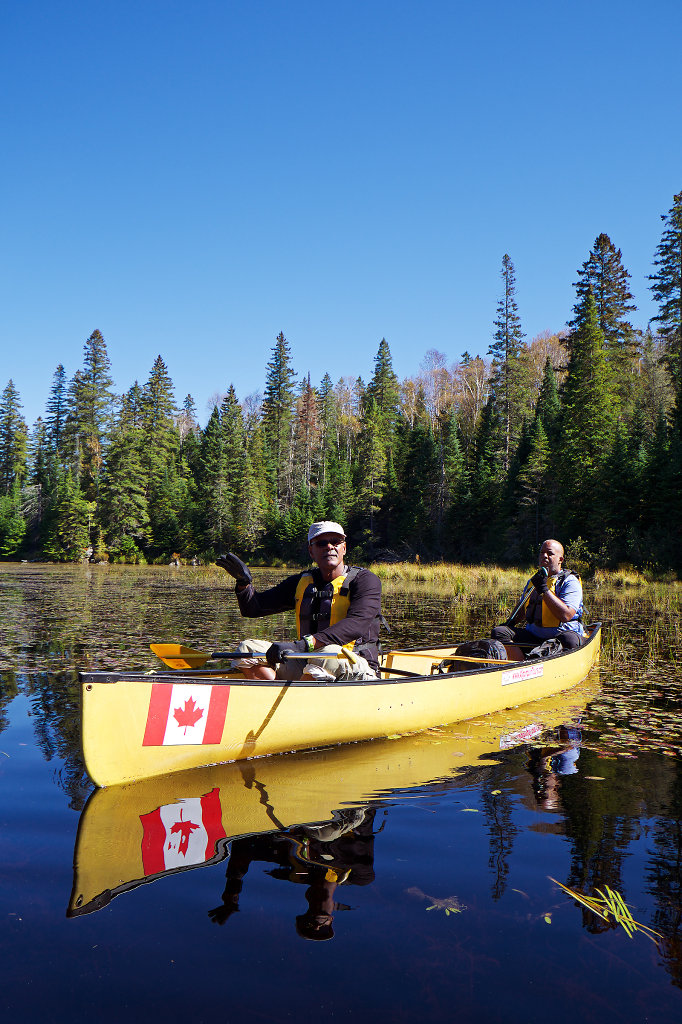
{"x": 216, "y": 678}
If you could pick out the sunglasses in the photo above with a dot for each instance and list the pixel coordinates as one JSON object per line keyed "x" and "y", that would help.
{"x": 327, "y": 543}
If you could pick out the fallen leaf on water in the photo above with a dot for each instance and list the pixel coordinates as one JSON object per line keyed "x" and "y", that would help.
{"x": 548, "y": 918}
{"x": 595, "y": 778}
{"x": 495, "y": 792}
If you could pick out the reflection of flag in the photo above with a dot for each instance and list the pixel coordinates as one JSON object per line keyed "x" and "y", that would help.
{"x": 181, "y": 834}
{"x": 185, "y": 713}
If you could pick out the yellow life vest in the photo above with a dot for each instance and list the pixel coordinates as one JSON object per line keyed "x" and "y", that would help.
{"x": 320, "y": 604}
{"x": 537, "y": 612}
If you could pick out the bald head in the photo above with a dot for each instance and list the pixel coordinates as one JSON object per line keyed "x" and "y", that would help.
{"x": 551, "y": 556}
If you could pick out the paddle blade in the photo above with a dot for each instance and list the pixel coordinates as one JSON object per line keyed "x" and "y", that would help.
{"x": 179, "y": 656}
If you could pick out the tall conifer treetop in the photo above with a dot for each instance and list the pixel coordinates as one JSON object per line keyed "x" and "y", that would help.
{"x": 667, "y": 290}
{"x": 603, "y": 272}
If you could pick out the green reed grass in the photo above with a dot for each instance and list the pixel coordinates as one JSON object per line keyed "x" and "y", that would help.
{"x": 611, "y": 907}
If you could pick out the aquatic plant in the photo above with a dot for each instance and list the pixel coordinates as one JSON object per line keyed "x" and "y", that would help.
{"x": 611, "y": 907}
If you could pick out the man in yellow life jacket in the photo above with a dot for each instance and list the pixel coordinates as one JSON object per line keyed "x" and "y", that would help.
{"x": 550, "y": 606}
{"x": 338, "y": 614}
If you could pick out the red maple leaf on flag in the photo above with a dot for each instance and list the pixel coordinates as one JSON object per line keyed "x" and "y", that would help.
{"x": 189, "y": 715}
{"x": 185, "y": 828}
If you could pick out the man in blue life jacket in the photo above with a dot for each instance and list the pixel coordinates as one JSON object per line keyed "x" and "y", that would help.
{"x": 338, "y": 614}
{"x": 551, "y": 606}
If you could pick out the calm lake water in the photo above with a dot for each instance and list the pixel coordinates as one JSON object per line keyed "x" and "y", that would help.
{"x": 409, "y": 879}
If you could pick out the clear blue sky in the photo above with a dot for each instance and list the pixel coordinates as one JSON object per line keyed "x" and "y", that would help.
{"x": 193, "y": 177}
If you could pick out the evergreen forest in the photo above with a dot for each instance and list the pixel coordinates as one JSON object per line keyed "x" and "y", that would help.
{"x": 575, "y": 435}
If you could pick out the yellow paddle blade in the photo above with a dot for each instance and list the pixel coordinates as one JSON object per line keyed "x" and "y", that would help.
{"x": 179, "y": 656}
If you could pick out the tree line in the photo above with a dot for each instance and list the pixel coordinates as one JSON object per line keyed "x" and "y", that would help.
{"x": 575, "y": 435}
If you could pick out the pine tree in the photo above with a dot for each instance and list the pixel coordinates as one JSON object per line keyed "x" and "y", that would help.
{"x": 667, "y": 291}
{"x": 507, "y": 367}
{"x": 13, "y": 439}
{"x": 278, "y": 406}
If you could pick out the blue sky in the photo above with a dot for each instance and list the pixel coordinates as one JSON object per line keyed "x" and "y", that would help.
{"x": 192, "y": 178}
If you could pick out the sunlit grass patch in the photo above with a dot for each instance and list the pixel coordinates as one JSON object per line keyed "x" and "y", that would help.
{"x": 457, "y": 578}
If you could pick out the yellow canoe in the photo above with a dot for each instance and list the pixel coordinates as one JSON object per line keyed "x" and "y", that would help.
{"x": 134, "y": 726}
{"x": 140, "y": 832}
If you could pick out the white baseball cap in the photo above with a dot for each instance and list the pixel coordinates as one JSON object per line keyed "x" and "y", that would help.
{"x": 325, "y": 527}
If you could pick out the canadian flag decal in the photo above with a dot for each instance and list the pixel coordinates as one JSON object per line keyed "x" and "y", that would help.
{"x": 181, "y": 834}
{"x": 182, "y": 713}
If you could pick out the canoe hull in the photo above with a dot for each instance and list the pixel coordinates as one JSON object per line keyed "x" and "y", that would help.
{"x": 137, "y": 726}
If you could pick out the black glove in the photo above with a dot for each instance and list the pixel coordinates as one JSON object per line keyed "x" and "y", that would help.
{"x": 230, "y": 563}
{"x": 539, "y": 581}
{"x": 275, "y": 652}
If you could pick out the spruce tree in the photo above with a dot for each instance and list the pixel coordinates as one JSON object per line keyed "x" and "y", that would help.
{"x": 234, "y": 464}
{"x": 383, "y": 390}
{"x": 123, "y": 508}
{"x": 93, "y": 403}
{"x": 587, "y": 419}
{"x": 667, "y": 291}
{"x": 548, "y": 406}
{"x": 12, "y": 521}
{"x": 160, "y": 437}
{"x": 603, "y": 272}
{"x": 56, "y": 409}
{"x": 531, "y": 481}
{"x": 371, "y": 471}
{"x": 278, "y": 406}
{"x": 307, "y": 436}
{"x": 507, "y": 366}
{"x": 213, "y": 497}
{"x": 328, "y": 420}
{"x": 68, "y": 526}
{"x": 13, "y": 439}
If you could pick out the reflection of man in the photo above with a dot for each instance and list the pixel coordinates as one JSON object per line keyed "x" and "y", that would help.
{"x": 323, "y": 857}
{"x": 553, "y": 607}
{"x": 549, "y": 764}
{"x": 337, "y": 606}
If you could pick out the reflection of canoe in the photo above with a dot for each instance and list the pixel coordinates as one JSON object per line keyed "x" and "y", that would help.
{"x": 136, "y": 725}
{"x": 141, "y": 831}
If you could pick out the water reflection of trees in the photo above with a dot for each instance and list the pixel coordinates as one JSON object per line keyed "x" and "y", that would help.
{"x": 55, "y": 710}
{"x": 664, "y": 875}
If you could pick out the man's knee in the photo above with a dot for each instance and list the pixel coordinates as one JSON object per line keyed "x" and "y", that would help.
{"x": 503, "y": 633}
{"x": 569, "y": 639}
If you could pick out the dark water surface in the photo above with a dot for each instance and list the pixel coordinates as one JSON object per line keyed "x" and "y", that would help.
{"x": 409, "y": 879}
